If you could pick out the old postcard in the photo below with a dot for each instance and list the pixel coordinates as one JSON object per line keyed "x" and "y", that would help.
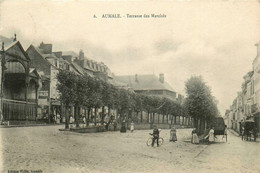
{"x": 129, "y": 86}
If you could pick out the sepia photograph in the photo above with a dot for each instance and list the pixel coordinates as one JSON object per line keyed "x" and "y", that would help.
{"x": 139, "y": 86}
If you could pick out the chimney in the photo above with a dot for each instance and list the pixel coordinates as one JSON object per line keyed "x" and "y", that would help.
{"x": 81, "y": 54}
{"x": 3, "y": 46}
{"x": 136, "y": 78}
{"x": 14, "y": 37}
{"x": 161, "y": 77}
{"x": 46, "y": 48}
{"x": 258, "y": 48}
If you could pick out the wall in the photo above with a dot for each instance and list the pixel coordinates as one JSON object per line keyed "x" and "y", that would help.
{"x": 53, "y": 79}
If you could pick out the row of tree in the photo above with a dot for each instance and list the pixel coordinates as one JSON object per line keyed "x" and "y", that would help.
{"x": 91, "y": 93}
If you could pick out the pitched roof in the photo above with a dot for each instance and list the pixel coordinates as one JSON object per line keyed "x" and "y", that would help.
{"x": 144, "y": 82}
{"x": 78, "y": 68}
{"x": 21, "y": 48}
{"x": 41, "y": 54}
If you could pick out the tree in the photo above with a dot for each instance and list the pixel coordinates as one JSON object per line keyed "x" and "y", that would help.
{"x": 67, "y": 86}
{"x": 199, "y": 102}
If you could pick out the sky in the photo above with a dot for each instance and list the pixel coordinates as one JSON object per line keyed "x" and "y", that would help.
{"x": 213, "y": 39}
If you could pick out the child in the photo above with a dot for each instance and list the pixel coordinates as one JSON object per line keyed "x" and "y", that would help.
{"x": 155, "y": 135}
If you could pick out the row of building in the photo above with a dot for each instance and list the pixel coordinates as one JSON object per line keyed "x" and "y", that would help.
{"x": 28, "y": 79}
{"x": 246, "y": 105}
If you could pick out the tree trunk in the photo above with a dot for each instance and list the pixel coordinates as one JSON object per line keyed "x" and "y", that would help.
{"x": 148, "y": 114}
{"x": 163, "y": 119}
{"x": 95, "y": 116}
{"x": 109, "y": 112}
{"x": 88, "y": 118}
{"x": 66, "y": 118}
{"x": 103, "y": 115}
{"x": 137, "y": 112}
{"x": 141, "y": 116}
{"x": 76, "y": 112}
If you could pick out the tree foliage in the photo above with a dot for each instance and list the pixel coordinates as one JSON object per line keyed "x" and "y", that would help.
{"x": 89, "y": 92}
{"x": 199, "y": 103}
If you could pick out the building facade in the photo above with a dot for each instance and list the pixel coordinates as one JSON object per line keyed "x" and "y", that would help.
{"x": 19, "y": 84}
{"x": 149, "y": 85}
{"x": 247, "y": 104}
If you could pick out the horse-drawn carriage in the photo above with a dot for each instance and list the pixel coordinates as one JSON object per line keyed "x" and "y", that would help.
{"x": 219, "y": 127}
{"x": 250, "y": 129}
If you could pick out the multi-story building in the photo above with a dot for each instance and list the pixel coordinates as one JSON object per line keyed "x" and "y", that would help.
{"x": 256, "y": 87}
{"x": 250, "y": 108}
{"x": 19, "y": 83}
{"x": 149, "y": 85}
{"x": 48, "y": 64}
{"x": 227, "y": 118}
{"x": 93, "y": 68}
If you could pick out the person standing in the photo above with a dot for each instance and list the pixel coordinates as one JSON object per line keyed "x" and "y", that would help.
{"x": 225, "y": 133}
{"x": 173, "y": 136}
{"x": 155, "y": 134}
{"x": 195, "y": 138}
{"x": 132, "y": 126}
{"x": 123, "y": 127}
{"x": 211, "y": 135}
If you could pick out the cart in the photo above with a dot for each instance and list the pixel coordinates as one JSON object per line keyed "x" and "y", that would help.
{"x": 219, "y": 127}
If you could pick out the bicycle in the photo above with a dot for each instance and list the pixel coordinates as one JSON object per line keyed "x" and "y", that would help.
{"x": 150, "y": 140}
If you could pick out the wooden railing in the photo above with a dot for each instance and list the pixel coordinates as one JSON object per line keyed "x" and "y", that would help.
{"x": 19, "y": 110}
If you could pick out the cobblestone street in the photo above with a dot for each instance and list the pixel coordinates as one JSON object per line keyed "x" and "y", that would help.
{"x": 50, "y": 150}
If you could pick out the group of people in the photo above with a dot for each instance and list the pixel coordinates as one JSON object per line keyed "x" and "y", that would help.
{"x": 208, "y": 135}
{"x": 124, "y": 126}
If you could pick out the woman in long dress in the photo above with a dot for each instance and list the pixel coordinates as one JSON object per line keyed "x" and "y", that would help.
{"x": 173, "y": 136}
{"x": 132, "y": 126}
{"x": 195, "y": 138}
{"x": 211, "y": 135}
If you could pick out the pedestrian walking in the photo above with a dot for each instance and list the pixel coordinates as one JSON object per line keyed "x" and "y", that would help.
{"x": 195, "y": 138}
{"x": 58, "y": 119}
{"x": 225, "y": 133}
{"x": 173, "y": 136}
{"x": 132, "y": 126}
{"x": 243, "y": 133}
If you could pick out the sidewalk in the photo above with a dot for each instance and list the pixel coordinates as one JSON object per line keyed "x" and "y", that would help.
{"x": 234, "y": 132}
{"x": 29, "y": 125}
